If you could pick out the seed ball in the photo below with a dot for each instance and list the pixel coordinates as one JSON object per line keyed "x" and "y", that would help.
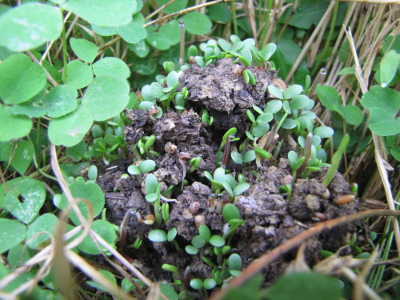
{"x": 199, "y": 220}
{"x": 194, "y": 207}
{"x": 326, "y": 194}
{"x": 170, "y": 148}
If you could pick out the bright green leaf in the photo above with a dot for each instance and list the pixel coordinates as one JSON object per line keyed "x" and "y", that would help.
{"x": 44, "y": 223}
{"x": 158, "y": 236}
{"x": 235, "y": 261}
{"x": 197, "y": 23}
{"x": 84, "y": 49}
{"x": 323, "y": 131}
{"x": 103, "y": 12}
{"x": 106, "y": 97}
{"x": 383, "y": 105}
{"x": 112, "y": 66}
{"x": 60, "y": 101}
{"x": 292, "y": 91}
{"x": 217, "y": 241}
{"x": 230, "y": 212}
{"x": 25, "y": 198}
{"x": 21, "y": 79}
{"x": 69, "y": 130}
{"x": 133, "y": 32}
{"x": 389, "y": 66}
{"x": 79, "y": 74}
{"x": 352, "y": 114}
{"x": 29, "y": 25}
{"x": 104, "y": 229}
{"x": 173, "y": 7}
{"x": 85, "y": 190}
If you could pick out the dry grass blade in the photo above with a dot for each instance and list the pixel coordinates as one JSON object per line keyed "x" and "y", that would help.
{"x": 257, "y": 265}
{"x": 306, "y": 47}
{"x": 377, "y": 143}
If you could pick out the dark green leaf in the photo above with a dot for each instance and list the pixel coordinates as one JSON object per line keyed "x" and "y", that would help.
{"x": 104, "y": 229}
{"x": 22, "y": 156}
{"x": 12, "y": 233}
{"x": 230, "y": 212}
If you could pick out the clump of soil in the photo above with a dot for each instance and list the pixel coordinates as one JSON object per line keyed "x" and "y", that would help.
{"x": 270, "y": 218}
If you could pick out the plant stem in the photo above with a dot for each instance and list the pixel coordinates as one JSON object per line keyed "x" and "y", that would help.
{"x": 337, "y": 157}
{"x": 65, "y": 54}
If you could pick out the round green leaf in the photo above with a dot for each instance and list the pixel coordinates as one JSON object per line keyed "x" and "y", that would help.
{"x": 104, "y": 229}
{"x": 157, "y": 236}
{"x": 299, "y": 102}
{"x": 13, "y": 126}
{"x": 323, "y": 131}
{"x": 106, "y": 97}
{"x": 85, "y": 190}
{"x": 108, "y": 275}
{"x": 60, "y": 101}
{"x": 389, "y": 66}
{"x": 43, "y": 223}
{"x": 249, "y": 156}
{"x": 25, "y": 198}
{"x": 205, "y": 232}
{"x": 352, "y": 114}
{"x": 235, "y": 261}
{"x": 217, "y": 241}
{"x": 383, "y": 105}
{"x": 21, "y": 79}
{"x": 104, "y": 31}
{"x": 308, "y": 285}
{"x": 147, "y": 166}
{"x": 103, "y": 12}
{"x": 273, "y": 106}
{"x": 292, "y": 91}
{"x": 191, "y": 250}
{"x": 198, "y": 241}
{"x": 141, "y": 48}
{"x": 241, "y": 188}
{"x": 230, "y": 212}
{"x": 265, "y": 117}
{"x": 111, "y": 66}
{"x": 29, "y": 25}
{"x": 173, "y": 7}
{"x": 69, "y": 130}
{"x": 172, "y": 234}
{"x": 84, "y": 49}
{"x": 275, "y": 91}
{"x": 133, "y": 32}
{"x": 260, "y": 129}
{"x": 237, "y": 157}
{"x": 79, "y": 74}
{"x": 209, "y": 283}
{"x": 289, "y": 124}
{"x": 151, "y": 184}
{"x": 134, "y": 170}
{"x": 12, "y": 233}
{"x": 197, "y": 23}
{"x": 33, "y": 108}
{"x": 196, "y": 283}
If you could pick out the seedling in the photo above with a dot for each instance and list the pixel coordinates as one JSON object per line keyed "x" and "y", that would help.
{"x": 144, "y": 166}
{"x": 160, "y": 236}
{"x": 153, "y": 195}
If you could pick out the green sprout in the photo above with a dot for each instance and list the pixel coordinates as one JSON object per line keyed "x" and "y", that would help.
{"x": 152, "y": 188}
{"x": 144, "y": 166}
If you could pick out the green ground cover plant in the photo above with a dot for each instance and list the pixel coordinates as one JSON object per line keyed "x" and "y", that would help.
{"x": 70, "y": 70}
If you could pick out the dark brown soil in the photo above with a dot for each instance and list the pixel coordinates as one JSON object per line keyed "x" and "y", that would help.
{"x": 270, "y": 218}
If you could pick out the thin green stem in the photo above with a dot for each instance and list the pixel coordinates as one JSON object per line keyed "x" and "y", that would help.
{"x": 65, "y": 54}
